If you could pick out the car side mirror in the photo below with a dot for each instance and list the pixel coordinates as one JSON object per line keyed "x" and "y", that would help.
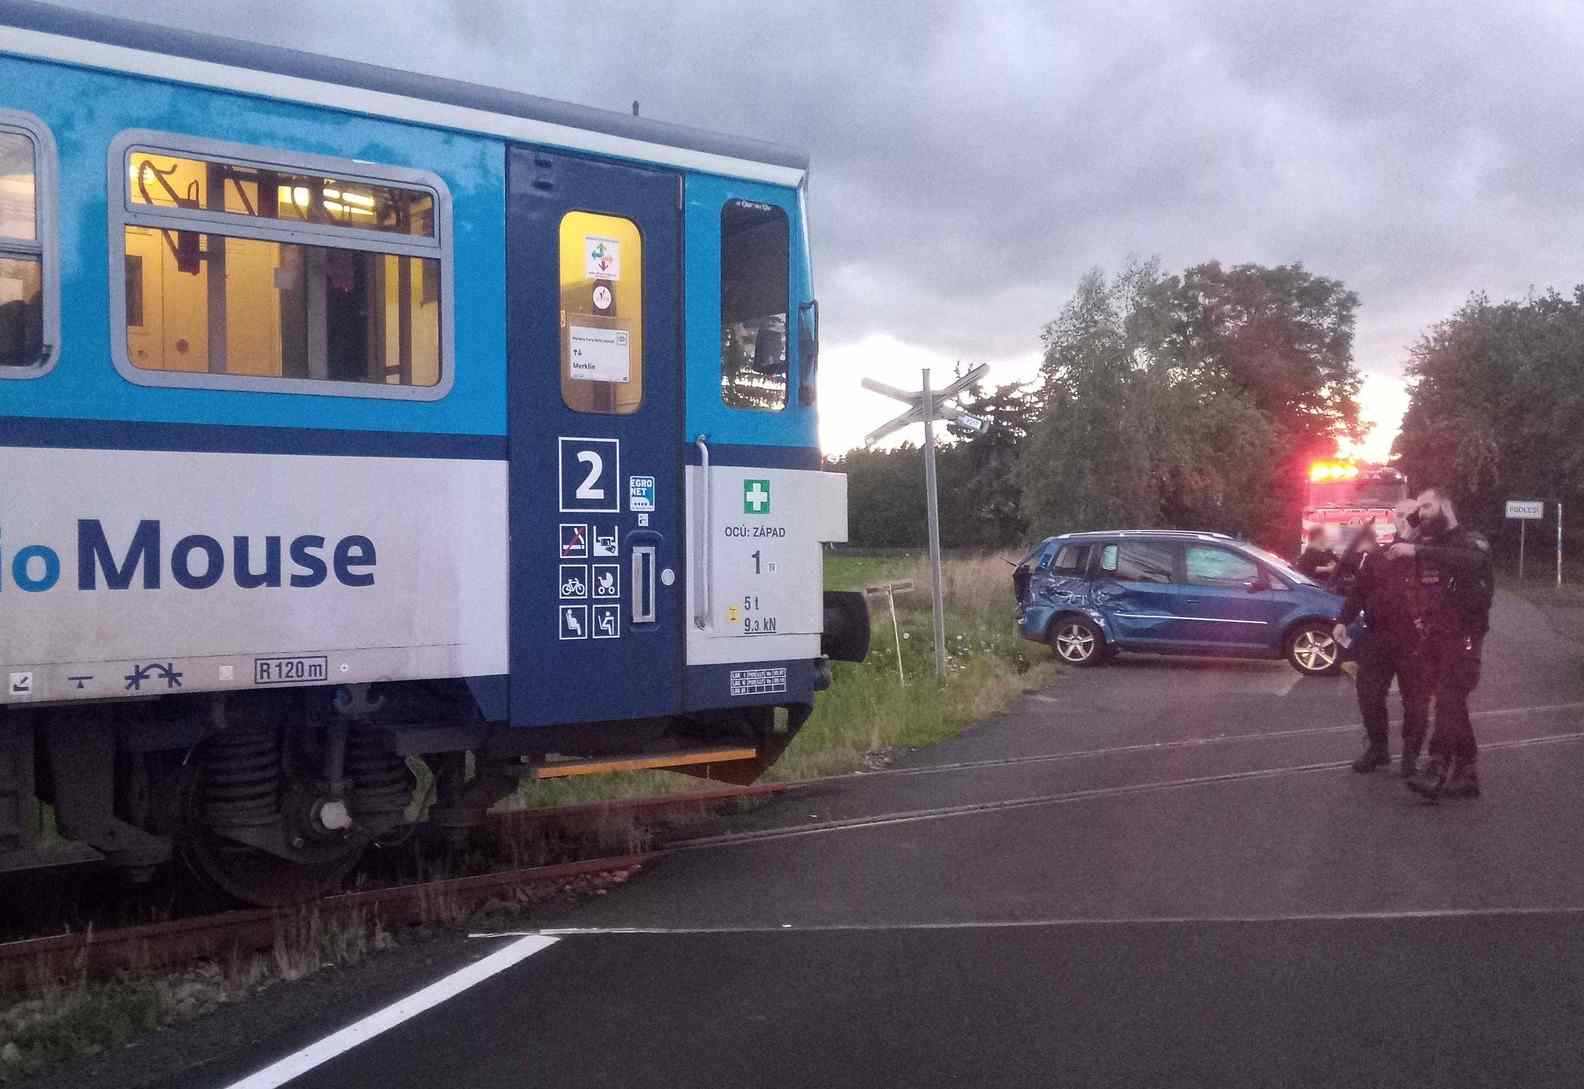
{"x": 1256, "y": 586}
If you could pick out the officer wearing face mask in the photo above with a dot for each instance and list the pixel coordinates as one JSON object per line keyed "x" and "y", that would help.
{"x": 1455, "y": 574}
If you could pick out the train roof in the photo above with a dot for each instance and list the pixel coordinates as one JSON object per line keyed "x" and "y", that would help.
{"x": 110, "y": 42}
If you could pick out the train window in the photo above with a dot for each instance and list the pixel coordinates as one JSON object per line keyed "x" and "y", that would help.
{"x": 29, "y": 300}
{"x": 755, "y": 292}
{"x": 601, "y": 302}
{"x": 260, "y": 191}
{"x": 244, "y": 268}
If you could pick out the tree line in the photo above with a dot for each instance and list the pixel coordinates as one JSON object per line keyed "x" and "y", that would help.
{"x": 1192, "y": 400}
{"x": 1496, "y": 396}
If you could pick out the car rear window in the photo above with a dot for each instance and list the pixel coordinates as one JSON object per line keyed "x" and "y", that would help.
{"x": 1073, "y": 559}
{"x": 1138, "y": 561}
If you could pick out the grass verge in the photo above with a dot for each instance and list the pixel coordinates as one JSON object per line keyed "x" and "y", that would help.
{"x": 871, "y": 713}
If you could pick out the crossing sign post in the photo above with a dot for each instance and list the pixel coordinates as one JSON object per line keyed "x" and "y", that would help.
{"x": 926, "y": 407}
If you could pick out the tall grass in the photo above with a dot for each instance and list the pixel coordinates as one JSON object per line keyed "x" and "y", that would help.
{"x": 869, "y": 715}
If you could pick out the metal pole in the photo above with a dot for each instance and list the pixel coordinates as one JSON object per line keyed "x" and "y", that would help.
{"x": 1521, "y": 527}
{"x": 895, "y": 634}
{"x": 938, "y": 604}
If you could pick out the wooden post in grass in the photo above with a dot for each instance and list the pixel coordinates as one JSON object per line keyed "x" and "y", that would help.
{"x": 891, "y": 590}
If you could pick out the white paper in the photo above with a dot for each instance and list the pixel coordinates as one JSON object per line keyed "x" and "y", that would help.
{"x": 599, "y": 355}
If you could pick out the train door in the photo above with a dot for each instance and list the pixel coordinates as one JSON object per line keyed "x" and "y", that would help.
{"x": 595, "y": 432}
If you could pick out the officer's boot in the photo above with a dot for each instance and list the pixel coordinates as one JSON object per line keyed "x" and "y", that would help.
{"x": 1410, "y": 756}
{"x": 1431, "y": 779}
{"x": 1374, "y": 756}
{"x": 1463, "y": 782}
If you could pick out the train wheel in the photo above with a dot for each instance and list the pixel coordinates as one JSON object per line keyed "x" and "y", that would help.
{"x": 241, "y": 779}
{"x": 260, "y": 878}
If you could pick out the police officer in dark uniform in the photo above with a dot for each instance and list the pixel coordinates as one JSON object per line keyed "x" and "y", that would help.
{"x": 1455, "y": 573}
{"x": 1316, "y": 560}
{"x": 1385, "y": 594}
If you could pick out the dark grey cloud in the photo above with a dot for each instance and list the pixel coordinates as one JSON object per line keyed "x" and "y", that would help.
{"x": 971, "y": 160}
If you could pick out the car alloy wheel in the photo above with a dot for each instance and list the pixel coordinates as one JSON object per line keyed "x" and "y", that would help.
{"x": 1314, "y": 651}
{"x": 1076, "y": 642}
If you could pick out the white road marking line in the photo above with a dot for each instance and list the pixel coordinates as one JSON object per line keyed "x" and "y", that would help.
{"x": 1566, "y": 911}
{"x": 299, "y": 1063}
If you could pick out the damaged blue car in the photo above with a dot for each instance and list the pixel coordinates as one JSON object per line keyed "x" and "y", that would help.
{"x": 1091, "y": 595}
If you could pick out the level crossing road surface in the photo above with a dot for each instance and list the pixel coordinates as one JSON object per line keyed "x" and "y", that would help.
{"x": 1156, "y": 873}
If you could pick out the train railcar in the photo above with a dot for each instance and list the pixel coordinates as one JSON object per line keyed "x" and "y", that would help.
{"x": 352, "y": 419}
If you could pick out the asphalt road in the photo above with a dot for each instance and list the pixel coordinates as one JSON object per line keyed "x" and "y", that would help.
{"x": 1158, "y": 873}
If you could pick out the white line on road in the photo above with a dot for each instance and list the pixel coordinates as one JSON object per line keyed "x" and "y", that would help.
{"x": 300, "y": 1062}
{"x": 1567, "y": 911}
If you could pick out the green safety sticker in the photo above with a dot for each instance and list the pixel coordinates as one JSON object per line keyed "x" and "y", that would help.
{"x": 756, "y": 497}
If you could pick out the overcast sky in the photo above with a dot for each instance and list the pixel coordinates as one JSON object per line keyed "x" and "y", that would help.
{"x": 972, "y": 160}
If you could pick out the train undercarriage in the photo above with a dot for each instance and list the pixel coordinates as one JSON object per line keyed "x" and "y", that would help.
{"x": 274, "y": 797}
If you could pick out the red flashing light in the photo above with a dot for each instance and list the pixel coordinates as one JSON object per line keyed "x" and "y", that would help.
{"x": 1333, "y": 470}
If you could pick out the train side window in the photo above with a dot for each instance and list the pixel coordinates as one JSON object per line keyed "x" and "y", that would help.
{"x": 29, "y": 278}
{"x": 254, "y": 269}
{"x": 755, "y": 294}
{"x": 601, "y": 278}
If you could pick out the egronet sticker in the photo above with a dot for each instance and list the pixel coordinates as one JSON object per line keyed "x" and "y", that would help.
{"x": 21, "y": 685}
{"x": 757, "y": 682}
{"x": 641, "y": 494}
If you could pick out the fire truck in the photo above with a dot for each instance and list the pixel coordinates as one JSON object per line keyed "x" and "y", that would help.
{"x": 1344, "y": 495}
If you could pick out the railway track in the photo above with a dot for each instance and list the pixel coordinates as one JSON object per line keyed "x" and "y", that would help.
{"x": 177, "y": 940}
{"x": 104, "y": 951}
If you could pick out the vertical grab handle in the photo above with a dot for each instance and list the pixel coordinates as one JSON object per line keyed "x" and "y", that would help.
{"x": 703, "y": 606}
{"x": 643, "y": 584}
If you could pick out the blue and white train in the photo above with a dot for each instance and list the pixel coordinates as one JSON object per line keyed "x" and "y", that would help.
{"x": 349, "y": 416}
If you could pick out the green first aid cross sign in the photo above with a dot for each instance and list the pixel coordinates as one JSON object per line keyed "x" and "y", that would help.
{"x": 756, "y": 497}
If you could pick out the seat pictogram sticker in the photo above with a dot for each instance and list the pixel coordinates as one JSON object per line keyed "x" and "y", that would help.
{"x": 574, "y": 621}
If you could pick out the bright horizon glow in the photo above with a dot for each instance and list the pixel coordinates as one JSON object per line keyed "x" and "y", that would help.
{"x": 1383, "y": 398}
{"x": 848, "y": 412}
